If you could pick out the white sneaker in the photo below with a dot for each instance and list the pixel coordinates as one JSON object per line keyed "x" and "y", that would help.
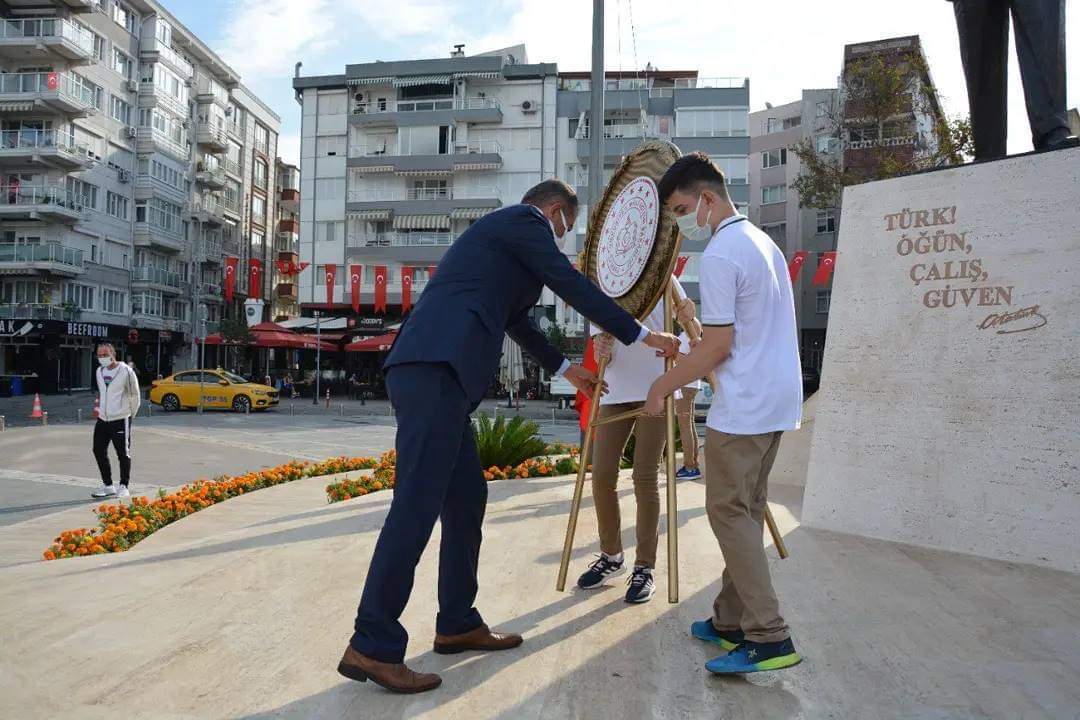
{"x": 124, "y": 493}
{"x": 105, "y": 491}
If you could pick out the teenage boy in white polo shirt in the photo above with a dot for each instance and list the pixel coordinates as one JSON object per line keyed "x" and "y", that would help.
{"x": 750, "y": 341}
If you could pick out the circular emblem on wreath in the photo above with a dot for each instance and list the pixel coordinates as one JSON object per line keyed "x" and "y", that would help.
{"x": 627, "y": 237}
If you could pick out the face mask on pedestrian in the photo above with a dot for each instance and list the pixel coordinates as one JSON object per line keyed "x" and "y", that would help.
{"x": 560, "y": 240}
{"x": 105, "y": 361}
{"x": 690, "y": 229}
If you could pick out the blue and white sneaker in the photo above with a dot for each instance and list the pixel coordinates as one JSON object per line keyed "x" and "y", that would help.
{"x": 755, "y": 657}
{"x": 642, "y": 587}
{"x": 599, "y": 572}
{"x": 727, "y": 640}
{"x": 686, "y": 473}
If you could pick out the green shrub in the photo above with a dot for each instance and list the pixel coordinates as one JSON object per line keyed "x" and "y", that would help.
{"x": 502, "y": 443}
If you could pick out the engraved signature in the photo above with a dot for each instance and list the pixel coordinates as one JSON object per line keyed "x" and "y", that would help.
{"x": 997, "y": 320}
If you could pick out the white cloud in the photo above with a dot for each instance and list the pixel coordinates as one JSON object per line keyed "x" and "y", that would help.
{"x": 266, "y": 37}
{"x": 289, "y": 148}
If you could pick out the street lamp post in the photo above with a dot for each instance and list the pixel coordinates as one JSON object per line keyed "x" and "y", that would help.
{"x": 318, "y": 356}
{"x": 202, "y": 354}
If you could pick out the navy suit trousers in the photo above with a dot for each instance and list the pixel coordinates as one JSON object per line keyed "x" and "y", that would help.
{"x": 438, "y": 478}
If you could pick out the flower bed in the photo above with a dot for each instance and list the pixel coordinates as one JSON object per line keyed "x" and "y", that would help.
{"x": 121, "y": 526}
{"x": 382, "y": 478}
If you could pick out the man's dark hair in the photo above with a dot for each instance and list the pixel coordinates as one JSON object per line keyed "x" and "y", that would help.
{"x": 549, "y": 191}
{"x": 692, "y": 173}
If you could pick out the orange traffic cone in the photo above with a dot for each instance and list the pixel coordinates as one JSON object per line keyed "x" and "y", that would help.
{"x": 97, "y": 407}
{"x": 35, "y": 414}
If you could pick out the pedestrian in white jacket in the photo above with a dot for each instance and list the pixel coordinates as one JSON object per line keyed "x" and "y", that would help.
{"x": 118, "y": 403}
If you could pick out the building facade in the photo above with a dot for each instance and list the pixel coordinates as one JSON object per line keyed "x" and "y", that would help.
{"x": 130, "y": 160}
{"x": 285, "y": 296}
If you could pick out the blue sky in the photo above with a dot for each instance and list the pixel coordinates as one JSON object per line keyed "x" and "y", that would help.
{"x": 781, "y": 45}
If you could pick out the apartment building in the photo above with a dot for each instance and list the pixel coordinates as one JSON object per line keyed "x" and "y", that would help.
{"x": 399, "y": 158}
{"x": 130, "y": 165}
{"x": 709, "y": 115}
{"x": 775, "y": 208}
{"x": 285, "y": 296}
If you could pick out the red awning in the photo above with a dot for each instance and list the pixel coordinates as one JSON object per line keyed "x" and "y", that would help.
{"x": 378, "y": 343}
{"x": 272, "y": 335}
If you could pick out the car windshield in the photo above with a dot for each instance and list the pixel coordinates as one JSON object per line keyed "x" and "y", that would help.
{"x": 232, "y": 377}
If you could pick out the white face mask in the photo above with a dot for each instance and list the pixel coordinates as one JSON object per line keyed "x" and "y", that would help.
{"x": 560, "y": 240}
{"x": 105, "y": 361}
{"x": 690, "y": 229}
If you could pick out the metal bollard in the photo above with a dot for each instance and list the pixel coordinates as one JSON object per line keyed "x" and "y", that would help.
{"x": 79, "y": 411}
{"x": 247, "y": 409}
{"x": 45, "y": 419}
{"x": 327, "y": 398}
{"x": 3, "y": 423}
{"x": 341, "y": 408}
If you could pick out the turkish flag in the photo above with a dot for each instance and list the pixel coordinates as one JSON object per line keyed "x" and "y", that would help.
{"x": 230, "y": 277}
{"x": 796, "y": 264}
{"x": 52, "y": 81}
{"x": 380, "y": 288}
{"x": 283, "y": 266}
{"x": 680, "y": 265}
{"x": 825, "y": 268}
{"x": 297, "y": 269}
{"x": 406, "y": 288}
{"x": 255, "y": 278}
{"x": 331, "y": 278}
{"x": 354, "y": 285}
{"x": 582, "y": 403}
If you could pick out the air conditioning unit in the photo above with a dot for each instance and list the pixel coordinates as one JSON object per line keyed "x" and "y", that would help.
{"x": 123, "y": 176}
{"x": 131, "y": 86}
{"x": 187, "y": 124}
{"x": 529, "y": 106}
{"x": 228, "y": 111}
{"x": 130, "y": 132}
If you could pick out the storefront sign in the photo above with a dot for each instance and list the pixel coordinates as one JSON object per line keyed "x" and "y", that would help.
{"x": 370, "y": 323}
{"x": 18, "y": 328}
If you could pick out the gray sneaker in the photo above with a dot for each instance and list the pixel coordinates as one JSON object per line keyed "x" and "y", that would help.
{"x": 105, "y": 491}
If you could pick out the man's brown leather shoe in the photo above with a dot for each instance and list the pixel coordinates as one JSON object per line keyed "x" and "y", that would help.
{"x": 392, "y": 676}
{"x": 479, "y": 639}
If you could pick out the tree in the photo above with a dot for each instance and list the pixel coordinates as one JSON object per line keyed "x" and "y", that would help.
{"x": 235, "y": 330}
{"x": 880, "y": 101}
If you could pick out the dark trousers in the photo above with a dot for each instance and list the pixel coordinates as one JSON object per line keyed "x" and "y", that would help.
{"x": 438, "y": 478}
{"x": 1039, "y": 27}
{"x": 118, "y": 432}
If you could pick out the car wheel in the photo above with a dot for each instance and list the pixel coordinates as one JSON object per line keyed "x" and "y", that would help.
{"x": 241, "y": 403}
{"x": 170, "y": 403}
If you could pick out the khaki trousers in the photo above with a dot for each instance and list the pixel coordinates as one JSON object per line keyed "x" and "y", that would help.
{"x": 607, "y": 450}
{"x": 736, "y": 486}
{"x": 684, "y": 412}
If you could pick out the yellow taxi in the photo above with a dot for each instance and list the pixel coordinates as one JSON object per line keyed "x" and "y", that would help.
{"x": 218, "y": 389}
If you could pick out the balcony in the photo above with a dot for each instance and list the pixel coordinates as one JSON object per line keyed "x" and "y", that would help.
{"x": 263, "y": 147}
{"x": 290, "y": 198}
{"x": 213, "y": 137}
{"x": 413, "y": 239}
{"x": 157, "y": 279}
{"x": 208, "y": 210}
{"x": 415, "y": 193}
{"x": 48, "y": 203}
{"x": 151, "y": 236}
{"x": 441, "y": 110}
{"x": 210, "y": 251}
{"x": 61, "y": 92}
{"x": 50, "y": 257}
{"x": 36, "y": 311}
{"x": 153, "y": 50}
{"x": 475, "y": 155}
{"x": 289, "y": 225}
{"x": 286, "y": 291}
{"x": 151, "y": 139}
{"x": 210, "y": 90}
{"x": 150, "y": 95}
{"x": 236, "y": 130}
{"x": 42, "y": 147}
{"x": 232, "y": 167}
{"x": 231, "y": 206}
{"x": 210, "y": 175}
{"x": 30, "y": 38}
{"x": 210, "y": 292}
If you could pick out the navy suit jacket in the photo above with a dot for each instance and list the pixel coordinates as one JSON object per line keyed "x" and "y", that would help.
{"x": 487, "y": 284}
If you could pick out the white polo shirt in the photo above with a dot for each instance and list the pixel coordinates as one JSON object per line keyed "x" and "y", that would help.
{"x": 744, "y": 282}
{"x": 633, "y": 368}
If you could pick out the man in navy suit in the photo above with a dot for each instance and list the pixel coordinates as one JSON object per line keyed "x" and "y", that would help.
{"x": 443, "y": 361}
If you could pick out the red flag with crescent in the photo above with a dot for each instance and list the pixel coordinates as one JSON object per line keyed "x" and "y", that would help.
{"x": 796, "y": 264}
{"x": 255, "y": 278}
{"x": 680, "y": 265}
{"x": 581, "y": 403}
{"x": 52, "y": 81}
{"x": 380, "y": 288}
{"x": 825, "y": 268}
{"x": 331, "y": 278}
{"x": 406, "y": 288}
{"x": 230, "y": 277}
{"x": 354, "y": 285}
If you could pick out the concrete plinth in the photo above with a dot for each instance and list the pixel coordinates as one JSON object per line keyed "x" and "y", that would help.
{"x": 950, "y": 403}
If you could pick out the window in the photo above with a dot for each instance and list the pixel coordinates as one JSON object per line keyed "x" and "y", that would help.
{"x": 119, "y": 110}
{"x": 777, "y": 231}
{"x": 863, "y": 133}
{"x": 335, "y": 145}
{"x": 333, "y": 103}
{"x": 84, "y": 191}
{"x": 122, "y": 63}
{"x": 22, "y": 292}
{"x": 163, "y": 214}
{"x": 333, "y": 231}
{"x": 125, "y": 17}
{"x": 774, "y": 158}
{"x": 826, "y": 221}
{"x": 773, "y": 125}
{"x": 711, "y": 123}
{"x": 258, "y": 209}
{"x": 116, "y": 205}
{"x": 140, "y": 212}
{"x": 773, "y": 194}
{"x": 113, "y": 302}
{"x": 163, "y": 32}
{"x": 167, "y": 175}
{"x": 825, "y": 143}
{"x": 100, "y": 46}
{"x": 81, "y": 296}
{"x": 259, "y": 175}
{"x": 736, "y": 169}
{"x": 824, "y": 297}
{"x": 262, "y": 138}
{"x": 822, "y": 109}
{"x": 147, "y": 303}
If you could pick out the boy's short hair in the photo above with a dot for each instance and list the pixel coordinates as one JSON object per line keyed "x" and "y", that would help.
{"x": 551, "y": 190}
{"x": 692, "y": 173}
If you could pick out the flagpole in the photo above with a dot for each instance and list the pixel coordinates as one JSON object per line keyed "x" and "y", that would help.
{"x": 318, "y": 356}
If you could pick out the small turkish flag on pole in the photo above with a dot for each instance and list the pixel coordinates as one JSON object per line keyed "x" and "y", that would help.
{"x": 254, "y": 278}
{"x": 825, "y": 268}
{"x": 795, "y": 266}
{"x": 680, "y": 265}
{"x": 380, "y": 289}
{"x": 581, "y": 402}
{"x": 331, "y": 278}
{"x": 230, "y": 277}
{"x": 354, "y": 283}
{"x": 406, "y": 288}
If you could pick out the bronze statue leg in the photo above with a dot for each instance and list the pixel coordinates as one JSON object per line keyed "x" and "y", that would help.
{"x": 983, "y": 26}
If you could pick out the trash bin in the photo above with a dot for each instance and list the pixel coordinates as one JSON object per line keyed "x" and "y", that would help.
{"x": 16, "y": 386}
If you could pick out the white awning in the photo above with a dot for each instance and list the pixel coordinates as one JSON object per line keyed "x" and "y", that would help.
{"x": 369, "y": 169}
{"x": 422, "y": 80}
{"x": 468, "y": 213}
{"x": 426, "y": 173}
{"x": 421, "y": 222}
{"x": 383, "y": 214}
{"x": 370, "y": 80}
{"x": 466, "y": 165}
{"x": 489, "y": 75}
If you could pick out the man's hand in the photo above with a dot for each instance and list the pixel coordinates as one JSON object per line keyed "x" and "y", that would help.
{"x": 654, "y": 402}
{"x": 603, "y": 346}
{"x": 584, "y": 380}
{"x": 665, "y": 344}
